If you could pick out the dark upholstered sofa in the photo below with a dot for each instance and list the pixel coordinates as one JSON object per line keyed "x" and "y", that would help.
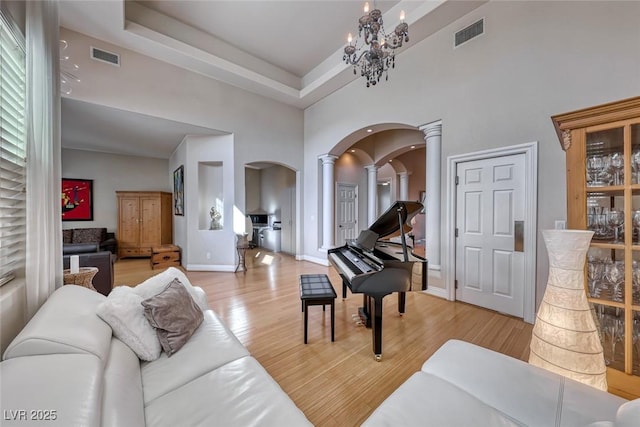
{"x": 74, "y": 240}
{"x": 103, "y": 260}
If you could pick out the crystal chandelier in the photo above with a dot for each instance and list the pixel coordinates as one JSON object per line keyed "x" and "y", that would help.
{"x": 374, "y": 50}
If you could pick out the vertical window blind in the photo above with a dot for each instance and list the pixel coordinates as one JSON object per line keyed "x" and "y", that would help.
{"x": 12, "y": 151}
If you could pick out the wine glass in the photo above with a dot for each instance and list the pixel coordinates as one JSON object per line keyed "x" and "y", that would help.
{"x": 635, "y": 162}
{"x": 636, "y": 222}
{"x": 595, "y": 165}
{"x": 615, "y": 219}
{"x": 617, "y": 163}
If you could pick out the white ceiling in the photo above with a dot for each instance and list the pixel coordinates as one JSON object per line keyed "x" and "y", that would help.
{"x": 92, "y": 127}
{"x": 289, "y": 50}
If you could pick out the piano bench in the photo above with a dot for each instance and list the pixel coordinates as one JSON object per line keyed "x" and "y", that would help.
{"x": 316, "y": 289}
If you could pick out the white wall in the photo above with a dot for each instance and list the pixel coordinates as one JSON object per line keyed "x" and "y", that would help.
{"x": 273, "y": 180}
{"x": 536, "y": 59}
{"x": 111, "y": 173}
{"x": 203, "y": 249}
{"x": 263, "y": 129}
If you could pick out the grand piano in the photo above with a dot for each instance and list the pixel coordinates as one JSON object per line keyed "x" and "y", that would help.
{"x": 376, "y": 268}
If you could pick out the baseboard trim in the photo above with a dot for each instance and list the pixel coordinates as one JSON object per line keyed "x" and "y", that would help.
{"x": 209, "y": 267}
{"x": 316, "y": 260}
{"x": 438, "y": 292}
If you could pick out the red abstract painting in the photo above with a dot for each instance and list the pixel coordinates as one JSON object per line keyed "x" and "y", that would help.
{"x": 77, "y": 202}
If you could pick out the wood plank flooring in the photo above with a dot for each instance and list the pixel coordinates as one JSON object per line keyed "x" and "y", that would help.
{"x": 336, "y": 383}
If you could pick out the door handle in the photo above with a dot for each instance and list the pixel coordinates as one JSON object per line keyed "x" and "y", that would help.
{"x": 518, "y": 234}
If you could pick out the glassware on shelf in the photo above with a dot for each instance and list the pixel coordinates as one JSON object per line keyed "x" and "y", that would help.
{"x": 635, "y": 217}
{"x": 615, "y": 219}
{"x": 595, "y": 169}
{"x": 614, "y": 273}
{"x": 635, "y": 164}
{"x": 617, "y": 164}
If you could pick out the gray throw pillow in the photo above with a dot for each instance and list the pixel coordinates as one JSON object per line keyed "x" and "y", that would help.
{"x": 174, "y": 315}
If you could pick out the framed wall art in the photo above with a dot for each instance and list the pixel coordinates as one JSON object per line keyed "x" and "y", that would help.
{"x": 77, "y": 199}
{"x": 178, "y": 191}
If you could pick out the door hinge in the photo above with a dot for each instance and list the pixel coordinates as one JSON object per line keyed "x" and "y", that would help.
{"x": 455, "y": 283}
{"x": 457, "y": 180}
{"x": 456, "y": 232}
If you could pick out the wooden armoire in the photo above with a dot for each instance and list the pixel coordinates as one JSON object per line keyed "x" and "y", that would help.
{"x": 144, "y": 220}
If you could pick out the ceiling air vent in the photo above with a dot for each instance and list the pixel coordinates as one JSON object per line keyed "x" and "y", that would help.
{"x": 470, "y": 32}
{"x": 104, "y": 56}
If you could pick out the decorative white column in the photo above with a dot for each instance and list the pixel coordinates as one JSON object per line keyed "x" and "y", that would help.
{"x": 404, "y": 186}
{"x": 328, "y": 201}
{"x": 433, "y": 138}
{"x": 372, "y": 193}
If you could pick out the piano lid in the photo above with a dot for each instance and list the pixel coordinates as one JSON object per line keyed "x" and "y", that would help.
{"x": 387, "y": 223}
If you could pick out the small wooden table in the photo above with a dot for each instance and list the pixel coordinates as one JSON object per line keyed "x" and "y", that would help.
{"x": 84, "y": 277}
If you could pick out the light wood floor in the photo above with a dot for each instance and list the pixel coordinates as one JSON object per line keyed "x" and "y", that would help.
{"x": 336, "y": 383}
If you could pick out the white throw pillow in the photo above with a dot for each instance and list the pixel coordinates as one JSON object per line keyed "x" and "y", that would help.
{"x": 156, "y": 284}
{"x": 124, "y": 312}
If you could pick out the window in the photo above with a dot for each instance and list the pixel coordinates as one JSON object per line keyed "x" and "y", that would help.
{"x": 12, "y": 151}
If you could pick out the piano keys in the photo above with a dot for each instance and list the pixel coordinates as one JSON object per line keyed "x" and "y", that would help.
{"x": 377, "y": 268}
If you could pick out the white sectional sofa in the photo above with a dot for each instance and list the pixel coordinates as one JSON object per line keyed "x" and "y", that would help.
{"x": 466, "y": 385}
{"x": 65, "y": 368}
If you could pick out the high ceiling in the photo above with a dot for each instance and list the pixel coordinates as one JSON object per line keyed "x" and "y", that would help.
{"x": 289, "y": 50}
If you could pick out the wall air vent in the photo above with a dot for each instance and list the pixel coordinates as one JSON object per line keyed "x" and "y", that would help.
{"x": 104, "y": 56}
{"x": 472, "y": 31}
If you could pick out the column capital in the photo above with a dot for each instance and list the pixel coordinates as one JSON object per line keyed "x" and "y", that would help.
{"x": 403, "y": 174}
{"x": 328, "y": 158}
{"x": 432, "y": 129}
{"x": 371, "y": 168}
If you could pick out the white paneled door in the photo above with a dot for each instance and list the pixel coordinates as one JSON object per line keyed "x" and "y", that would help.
{"x": 490, "y": 207}
{"x": 347, "y": 213}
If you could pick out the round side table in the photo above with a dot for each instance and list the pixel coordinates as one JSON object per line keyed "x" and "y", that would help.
{"x": 83, "y": 277}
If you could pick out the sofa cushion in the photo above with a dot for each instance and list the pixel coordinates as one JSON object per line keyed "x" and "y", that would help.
{"x": 428, "y": 400}
{"x": 240, "y": 393}
{"x": 52, "y": 390}
{"x": 123, "y": 311}
{"x": 174, "y": 315}
{"x": 67, "y": 236}
{"x": 155, "y": 284}
{"x": 66, "y": 323}
{"x": 547, "y": 399}
{"x": 211, "y": 346}
{"x": 89, "y": 235}
{"x": 122, "y": 402}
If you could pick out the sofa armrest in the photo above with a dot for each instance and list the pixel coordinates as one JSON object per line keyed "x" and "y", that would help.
{"x": 111, "y": 245}
{"x": 79, "y": 248}
{"x": 200, "y": 296}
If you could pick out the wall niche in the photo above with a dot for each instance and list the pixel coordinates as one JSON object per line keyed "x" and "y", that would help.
{"x": 210, "y": 196}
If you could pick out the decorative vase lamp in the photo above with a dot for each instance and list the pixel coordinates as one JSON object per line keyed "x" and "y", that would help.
{"x": 565, "y": 339}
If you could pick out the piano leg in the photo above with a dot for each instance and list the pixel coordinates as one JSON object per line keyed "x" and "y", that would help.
{"x": 376, "y": 330}
{"x": 344, "y": 289}
{"x": 402, "y": 296}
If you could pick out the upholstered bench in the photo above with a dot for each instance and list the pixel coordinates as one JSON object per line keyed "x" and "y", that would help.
{"x": 316, "y": 289}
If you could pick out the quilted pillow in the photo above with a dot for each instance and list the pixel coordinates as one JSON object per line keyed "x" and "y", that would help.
{"x": 174, "y": 314}
{"x": 67, "y": 235}
{"x": 123, "y": 311}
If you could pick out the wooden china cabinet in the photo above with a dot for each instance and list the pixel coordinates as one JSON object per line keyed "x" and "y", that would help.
{"x": 602, "y": 146}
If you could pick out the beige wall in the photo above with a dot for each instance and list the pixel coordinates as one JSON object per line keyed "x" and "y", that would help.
{"x": 111, "y": 173}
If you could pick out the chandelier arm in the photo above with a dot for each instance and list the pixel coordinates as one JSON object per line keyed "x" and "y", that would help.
{"x": 349, "y": 61}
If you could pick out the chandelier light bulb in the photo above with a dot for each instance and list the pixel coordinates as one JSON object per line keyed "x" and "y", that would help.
{"x": 349, "y": 38}
{"x": 402, "y": 16}
{"x": 382, "y": 41}
{"x": 366, "y": 7}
